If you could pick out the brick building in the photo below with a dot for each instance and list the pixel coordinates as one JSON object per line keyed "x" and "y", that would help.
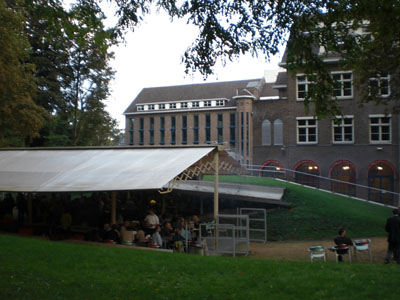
{"x": 264, "y": 124}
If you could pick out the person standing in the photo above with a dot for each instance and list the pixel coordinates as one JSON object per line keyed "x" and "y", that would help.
{"x": 392, "y": 227}
{"x": 151, "y": 221}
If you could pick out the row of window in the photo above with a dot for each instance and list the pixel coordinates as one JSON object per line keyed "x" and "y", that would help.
{"x": 181, "y": 105}
{"x": 342, "y": 130}
{"x": 184, "y": 129}
{"x": 344, "y": 88}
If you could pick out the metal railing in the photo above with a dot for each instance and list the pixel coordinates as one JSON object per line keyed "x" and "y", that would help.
{"x": 349, "y": 189}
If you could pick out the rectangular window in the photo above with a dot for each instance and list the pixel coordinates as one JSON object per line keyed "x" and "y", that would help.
{"x": 172, "y": 105}
{"x": 195, "y": 129}
{"x": 141, "y": 132}
{"x": 344, "y": 88}
{"x": 140, "y": 107}
{"x": 173, "y": 130}
{"x": 162, "y": 130}
{"x": 161, "y": 106}
{"x": 151, "y": 131}
{"x": 220, "y": 128}
{"x": 207, "y": 103}
{"x": 343, "y": 130}
{"x": 151, "y": 106}
{"x": 380, "y": 85}
{"x": 196, "y": 104}
{"x": 232, "y": 129}
{"x": 380, "y": 128}
{"x": 208, "y": 129}
{"x": 242, "y": 133}
{"x": 184, "y": 130}
{"x": 303, "y": 86}
{"x": 184, "y": 104}
{"x": 307, "y": 131}
{"x": 131, "y": 130}
{"x": 220, "y": 102}
{"x": 247, "y": 133}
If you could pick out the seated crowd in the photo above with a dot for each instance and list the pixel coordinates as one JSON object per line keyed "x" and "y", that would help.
{"x": 153, "y": 233}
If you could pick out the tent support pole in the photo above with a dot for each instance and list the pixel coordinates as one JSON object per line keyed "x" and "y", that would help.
{"x": 113, "y": 208}
{"x": 30, "y": 209}
{"x": 216, "y": 183}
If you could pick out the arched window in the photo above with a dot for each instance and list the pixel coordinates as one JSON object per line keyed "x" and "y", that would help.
{"x": 307, "y": 173}
{"x": 343, "y": 171}
{"x": 278, "y": 132}
{"x": 381, "y": 175}
{"x": 272, "y": 168}
{"x": 266, "y": 133}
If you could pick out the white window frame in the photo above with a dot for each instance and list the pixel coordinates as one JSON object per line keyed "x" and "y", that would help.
{"x": 380, "y": 125}
{"x": 161, "y": 106}
{"x": 342, "y": 82}
{"x": 307, "y": 128}
{"x": 172, "y": 105}
{"x": 207, "y": 103}
{"x": 195, "y": 103}
{"x": 342, "y": 127}
{"x": 184, "y": 105}
{"x": 306, "y": 82}
{"x": 140, "y": 107}
{"x": 219, "y": 102}
{"x": 150, "y": 106}
{"x": 380, "y": 79}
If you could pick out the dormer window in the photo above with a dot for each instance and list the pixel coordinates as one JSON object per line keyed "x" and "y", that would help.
{"x": 196, "y": 104}
{"x": 220, "y": 102}
{"x": 151, "y": 106}
{"x": 140, "y": 107}
{"x": 184, "y": 104}
{"x": 172, "y": 105}
{"x": 207, "y": 103}
{"x": 161, "y": 106}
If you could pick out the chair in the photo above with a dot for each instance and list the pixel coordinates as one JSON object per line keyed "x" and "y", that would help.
{"x": 341, "y": 250}
{"x": 361, "y": 246}
{"x": 317, "y": 252}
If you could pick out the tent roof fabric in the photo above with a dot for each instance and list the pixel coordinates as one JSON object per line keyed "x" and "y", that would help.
{"x": 79, "y": 170}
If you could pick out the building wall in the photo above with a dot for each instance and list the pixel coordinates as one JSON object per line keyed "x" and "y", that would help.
{"x": 362, "y": 153}
{"x": 213, "y": 114}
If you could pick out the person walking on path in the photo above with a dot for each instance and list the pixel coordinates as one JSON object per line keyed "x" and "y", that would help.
{"x": 392, "y": 227}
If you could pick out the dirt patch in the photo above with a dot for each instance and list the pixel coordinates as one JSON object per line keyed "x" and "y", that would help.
{"x": 298, "y": 250}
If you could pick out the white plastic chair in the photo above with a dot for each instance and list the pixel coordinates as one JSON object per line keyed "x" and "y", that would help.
{"x": 317, "y": 252}
{"x": 363, "y": 245}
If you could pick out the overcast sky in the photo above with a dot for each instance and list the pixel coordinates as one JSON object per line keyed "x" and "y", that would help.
{"x": 152, "y": 57}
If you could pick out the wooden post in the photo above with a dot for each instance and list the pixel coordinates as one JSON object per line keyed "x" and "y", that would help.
{"x": 216, "y": 183}
{"x": 30, "y": 209}
{"x": 113, "y": 208}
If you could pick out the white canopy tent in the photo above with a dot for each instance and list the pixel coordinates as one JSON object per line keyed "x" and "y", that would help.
{"x": 80, "y": 170}
{"x": 99, "y": 169}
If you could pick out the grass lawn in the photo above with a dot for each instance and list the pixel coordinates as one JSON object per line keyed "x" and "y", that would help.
{"x": 41, "y": 269}
{"x": 316, "y": 214}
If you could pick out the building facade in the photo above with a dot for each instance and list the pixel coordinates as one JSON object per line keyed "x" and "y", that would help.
{"x": 264, "y": 125}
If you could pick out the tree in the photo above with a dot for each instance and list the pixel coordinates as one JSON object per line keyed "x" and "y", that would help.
{"x": 89, "y": 61}
{"x": 230, "y": 28}
{"x": 70, "y": 50}
{"x": 20, "y": 117}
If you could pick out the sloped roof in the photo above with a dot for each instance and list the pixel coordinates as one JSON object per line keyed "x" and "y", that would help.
{"x": 202, "y": 91}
